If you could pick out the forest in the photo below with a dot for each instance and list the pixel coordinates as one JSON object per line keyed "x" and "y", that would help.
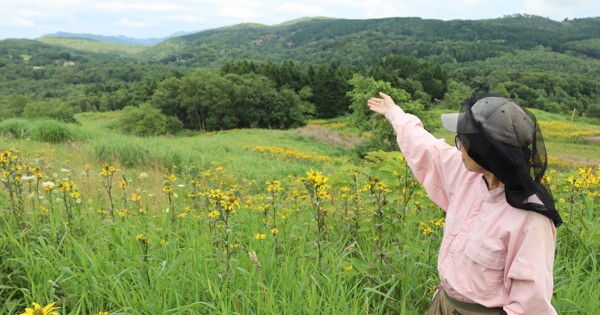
{"x": 256, "y": 76}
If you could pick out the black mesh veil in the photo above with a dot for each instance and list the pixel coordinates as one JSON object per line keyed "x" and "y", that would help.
{"x": 505, "y": 142}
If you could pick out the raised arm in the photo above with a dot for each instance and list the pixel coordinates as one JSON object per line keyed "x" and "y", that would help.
{"x": 436, "y": 164}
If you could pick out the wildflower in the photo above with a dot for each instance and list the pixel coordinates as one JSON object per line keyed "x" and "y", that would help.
{"x": 345, "y": 192}
{"x": 438, "y": 223}
{"x": 38, "y": 310}
{"x": 317, "y": 178}
{"x": 214, "y": 214}
{"x": 347, "y": 268}
{"x": 230, "y": 202}
{"x": 108, "y": 170}
{"x": 142, "y": 239}
{"x": 102, "y": 313}
{"x": 123, "y": 183}
{"x": 260, "y": 236}
{"x": 143, "y": 175}
{"x": 182, "y": 215}
{"x": 274, "y": 231}
{"x": 29, "y": 178}
{"x": 48, "y": 185}
{"x": 164, "y": 242}
{"x": 273, "y": 186}
{"x": 426, "y": 229}
{"x": 135, "y": 197}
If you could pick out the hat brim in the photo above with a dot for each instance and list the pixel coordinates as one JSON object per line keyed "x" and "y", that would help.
{"x": 450, "y": 121}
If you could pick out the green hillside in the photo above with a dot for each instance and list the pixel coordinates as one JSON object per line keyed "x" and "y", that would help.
{"x": 541, "y": 63}
{"x": 90, "y": 45}
{"x": 361, "y": 42}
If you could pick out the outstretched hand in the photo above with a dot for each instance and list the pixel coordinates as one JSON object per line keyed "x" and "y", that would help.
{"x": 381, "y": 105}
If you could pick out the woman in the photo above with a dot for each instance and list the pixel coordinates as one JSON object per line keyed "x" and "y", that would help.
{"x": 497, "y": 252}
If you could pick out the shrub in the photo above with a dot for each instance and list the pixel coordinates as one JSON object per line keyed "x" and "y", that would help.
{"x": 593, "y": 111}
{"x": 52, "y": 131}
{"x": 145, "y": 121}
{"x": 14, "y": 127}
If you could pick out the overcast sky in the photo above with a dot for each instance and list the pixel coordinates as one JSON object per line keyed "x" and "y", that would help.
{"x": 161, "y": 18}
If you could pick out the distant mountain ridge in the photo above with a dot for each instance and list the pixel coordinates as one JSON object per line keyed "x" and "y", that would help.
{"x": 117, "y": 39}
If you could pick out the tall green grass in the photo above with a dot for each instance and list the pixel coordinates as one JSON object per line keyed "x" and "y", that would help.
{"x": 95, "y": 263}
{"x": 43, "y": 130}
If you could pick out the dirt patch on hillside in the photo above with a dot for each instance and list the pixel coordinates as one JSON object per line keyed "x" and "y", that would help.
{"x": 577, "y": 161}
{"x": 592, "y": 140}
{"x": 329, "y": 136}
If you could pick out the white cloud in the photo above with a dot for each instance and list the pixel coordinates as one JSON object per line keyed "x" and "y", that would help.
{"x": 137, "y": 6}
{"x": 301, "y": 9}
{"x": 238, "y": 12}
{"x": 134, "y": 24}
{"x": 184, "y": 19}
{"x": 20, "y": 22}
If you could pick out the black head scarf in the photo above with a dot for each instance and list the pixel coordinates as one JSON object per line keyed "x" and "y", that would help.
{"x": 506, "y": 140}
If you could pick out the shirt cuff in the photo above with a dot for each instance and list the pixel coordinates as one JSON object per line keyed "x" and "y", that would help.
{"x": 393, "y": 112}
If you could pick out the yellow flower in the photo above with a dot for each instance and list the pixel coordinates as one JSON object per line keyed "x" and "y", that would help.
{"x": 214, "y": 214}
{"x": 142, "y": 239}
{"x": 230, "y": 202}
{"x": 274, "y": 231}
{"x": 102, "y": 313}
{"x": 48, "y": 186}
{"x": 273, "y": 186}
{"x": 260, "y": 236}
{"x": 439, "y": 223}
{"x": 38, "y": 310}
{"x": 426, "y": 229}
{"x": 135, "y": 197}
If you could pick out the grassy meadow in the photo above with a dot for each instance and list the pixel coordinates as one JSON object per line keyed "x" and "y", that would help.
{"x": 248, "y": 221}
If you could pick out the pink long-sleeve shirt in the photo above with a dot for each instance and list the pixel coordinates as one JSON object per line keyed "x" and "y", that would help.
{"x": 492, "y": 253}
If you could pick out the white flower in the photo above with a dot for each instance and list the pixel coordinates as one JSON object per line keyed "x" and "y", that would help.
{"x": 65, "y": 170}
{"x": 26, "y": 178}
{"x": 143, "y": 175}
{"x": 48, "y": 184}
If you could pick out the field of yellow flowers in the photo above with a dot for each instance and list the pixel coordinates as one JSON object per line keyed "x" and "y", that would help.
{"x": 235, "y": 225}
